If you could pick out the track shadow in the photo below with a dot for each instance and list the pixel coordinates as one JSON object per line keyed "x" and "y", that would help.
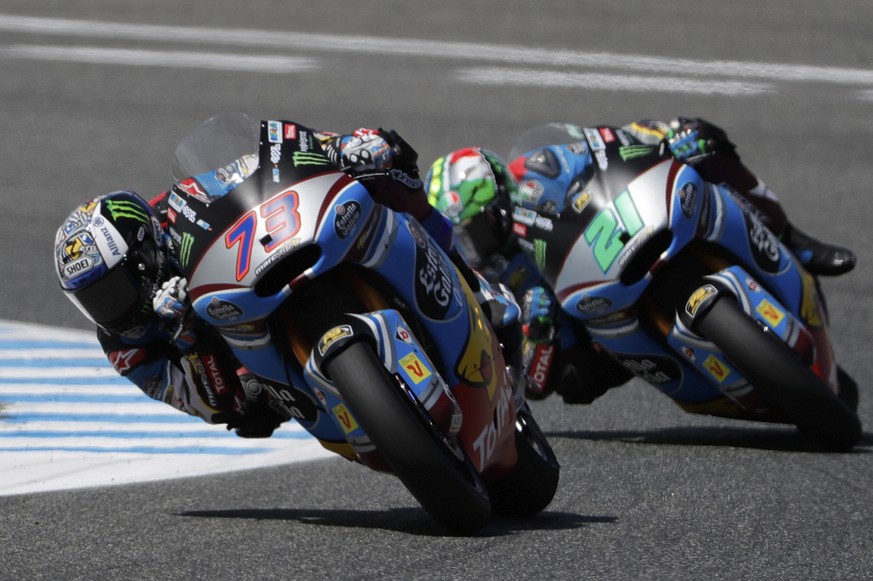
{"x": 778, "y": 438}
{"x": 413, "y": 521}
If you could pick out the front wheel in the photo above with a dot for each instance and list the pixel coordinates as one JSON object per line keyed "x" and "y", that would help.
{"x": 531, "y": 485}
{"x": 780, "y": 375}
{"x": 433, "y": 466}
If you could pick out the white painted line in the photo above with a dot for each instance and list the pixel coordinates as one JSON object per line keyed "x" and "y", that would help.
{"x": 48, "y": 389}
{"x": 173, "y": 59}
{"x": 58, "y": 372}
{"x": 59, "y": 353}
{"x": 537, "y": 78}
{"x": 26, "y": 472}
{"x": 132, "y": 427}
{"x": 514, "y": 54}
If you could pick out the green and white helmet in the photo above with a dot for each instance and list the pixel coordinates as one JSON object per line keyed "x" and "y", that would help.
{"x": 473, "y": 187}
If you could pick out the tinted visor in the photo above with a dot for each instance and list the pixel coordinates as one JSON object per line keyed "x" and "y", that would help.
{"x": 477, "y": 238}
{"x": 110, "y": 300}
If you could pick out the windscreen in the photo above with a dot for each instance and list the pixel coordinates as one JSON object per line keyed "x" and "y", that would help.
{"x": 216, "y": 143}
{"x": 543, "y": 135}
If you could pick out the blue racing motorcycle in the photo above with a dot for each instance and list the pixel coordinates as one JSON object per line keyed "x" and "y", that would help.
{"x": 354, "y": 320}
{"x": 681, "y": 282}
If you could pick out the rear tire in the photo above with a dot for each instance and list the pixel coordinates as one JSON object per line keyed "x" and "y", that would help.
{"x": 780, "y": 375}
{"x": 433, "y": 467}
{"x": 531, "y": 485}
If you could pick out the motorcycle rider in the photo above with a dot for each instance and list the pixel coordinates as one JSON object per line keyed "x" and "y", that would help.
{"x": 114, "y": 261}
{"x": 478, "y": 191}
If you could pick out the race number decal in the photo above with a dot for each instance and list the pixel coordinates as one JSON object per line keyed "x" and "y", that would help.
{"x": 281, "y": 220}
{"x": 610, "y": 230}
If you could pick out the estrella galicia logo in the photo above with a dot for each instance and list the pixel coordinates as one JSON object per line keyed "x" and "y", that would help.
{"x": 347, "y": 216}
{"x": 223, "y": 310}
{"x": 434, "y": 286}
{"x": 688, "y": 199}
{"x": 591, "y": 305}
{"x": 763, "y": 244}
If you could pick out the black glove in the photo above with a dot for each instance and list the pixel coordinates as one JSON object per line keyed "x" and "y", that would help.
{"x": 405, "y": 157}
{"x": 259, "y": 419}
{"x": 691, "y": 139}
{"x": 256, "y": 423}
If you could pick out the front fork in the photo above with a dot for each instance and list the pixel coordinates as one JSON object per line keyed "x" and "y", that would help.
{"x": 805, "y": 334}
{"x": 403, "y": 358}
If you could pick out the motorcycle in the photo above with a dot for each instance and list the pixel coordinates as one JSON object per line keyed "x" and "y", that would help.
{"x": 681, "y": 282}
{"x": 355, "y": 322}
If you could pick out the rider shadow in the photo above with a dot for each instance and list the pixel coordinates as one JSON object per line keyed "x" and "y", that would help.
{"x": 777, "y": 438}
{"x": 413, "y": 521}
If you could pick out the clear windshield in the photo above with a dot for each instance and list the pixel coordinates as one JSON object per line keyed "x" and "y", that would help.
{"x": 216, "y": 143}
{"x": 551, "y": 134}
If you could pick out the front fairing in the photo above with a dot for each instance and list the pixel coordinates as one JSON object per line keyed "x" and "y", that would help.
{"x": 228, "y": 241}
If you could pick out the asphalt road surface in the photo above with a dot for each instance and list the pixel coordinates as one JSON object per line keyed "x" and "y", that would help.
{"x": 95, "y": 94}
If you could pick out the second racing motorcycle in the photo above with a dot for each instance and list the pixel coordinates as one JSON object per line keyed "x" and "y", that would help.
{"x": 682, "y": 283}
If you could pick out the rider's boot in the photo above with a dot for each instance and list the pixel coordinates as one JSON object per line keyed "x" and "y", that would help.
{"x": 819, "y": 258}
{"x": 587, "y": 373}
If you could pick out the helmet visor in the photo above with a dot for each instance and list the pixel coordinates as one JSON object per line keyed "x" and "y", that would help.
{"x": 111, "y": 300}
{"x": 477, "y": 239}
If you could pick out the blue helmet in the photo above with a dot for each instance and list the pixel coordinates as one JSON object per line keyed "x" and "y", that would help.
{"x": 111, "y": 257}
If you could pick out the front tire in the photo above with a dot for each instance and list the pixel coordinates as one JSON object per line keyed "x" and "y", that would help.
{"x": 433, "y": 467}
{"x": 531, "y": 485}
{"x": 780, "y": 375}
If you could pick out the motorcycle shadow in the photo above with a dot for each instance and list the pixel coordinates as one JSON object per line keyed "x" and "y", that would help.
{"x": 776, "y": 438}
{"x": 413, "y": 521}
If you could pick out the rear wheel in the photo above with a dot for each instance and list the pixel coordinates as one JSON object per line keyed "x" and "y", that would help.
{"x": 531, "y": 485}
{"x": 433, "y": 466}
{"x": 780, "y": 375}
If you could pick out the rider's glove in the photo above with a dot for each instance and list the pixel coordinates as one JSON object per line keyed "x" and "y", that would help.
{"x": 690, "y": 140}
{"x": 686, "y": 140}
{"x": 538, "y": 315}
{"x": 380, "y": 151}
{"x": 366, "y": 150}
{"x": 170, "y": 302}
{"x": 258, "y": 419}
{"x": 256, "y": 423}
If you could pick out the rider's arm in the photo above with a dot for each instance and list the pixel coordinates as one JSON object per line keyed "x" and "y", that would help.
{"x": 708, "y": 149}
{"x": 198, "y": 381}
{"x": 386, "y": 165}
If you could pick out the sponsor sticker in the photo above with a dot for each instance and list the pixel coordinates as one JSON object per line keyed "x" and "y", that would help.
{"x": 346, "y": 419}
{"x": 274, "y": 131}
{"x": 772, "y": 314}
{"x": 697, "y": 298}
{"x": 332, "y": 336}
{"x": 417, "y": 370}
{"x": 717, "y": 368}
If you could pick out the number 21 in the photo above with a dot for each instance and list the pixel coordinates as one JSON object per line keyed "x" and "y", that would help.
{"x": 605, "y": 232}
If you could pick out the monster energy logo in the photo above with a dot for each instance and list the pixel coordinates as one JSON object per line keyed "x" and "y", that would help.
{"x": 126, "y": 209}
{"x": 185, "y": 249}
{"x": 302, "y": 158}
{"x": 540, "y": 253}
{"x": 628, "y": 152}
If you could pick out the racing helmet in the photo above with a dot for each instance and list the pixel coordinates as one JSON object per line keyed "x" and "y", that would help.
{"x": 111, "y": 258}
{"x": 473, "y": 187}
